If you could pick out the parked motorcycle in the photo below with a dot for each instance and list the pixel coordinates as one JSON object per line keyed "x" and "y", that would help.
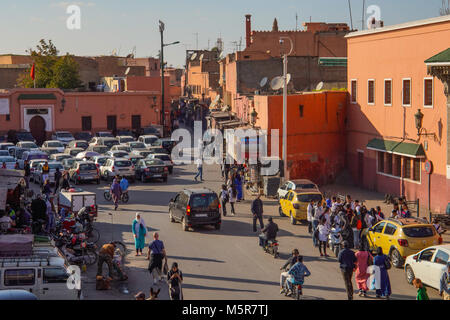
{"x": 335, "y": 240}
{"x": 76, "y": 249}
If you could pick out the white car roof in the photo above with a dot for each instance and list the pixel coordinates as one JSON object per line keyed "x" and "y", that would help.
{"x": 53, "y": 141}
{"x": 149, "y": 136}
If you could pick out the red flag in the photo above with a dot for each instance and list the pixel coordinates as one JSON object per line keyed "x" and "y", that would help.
{"x": 32, "y": 72}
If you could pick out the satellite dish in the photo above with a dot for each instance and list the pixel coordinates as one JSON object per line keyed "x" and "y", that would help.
{"x": 194, "y": 56}
{"x": 276, "y": 83}
{"x": 288, "y": 78}
{"x": 263, "y": 82}
{"x": 217, "y": 98}
{"x": 221, "y": 55}
{"x": 201, "y": 56}
{"x": 319, "y": 86}
{"x": 127, "y": 71}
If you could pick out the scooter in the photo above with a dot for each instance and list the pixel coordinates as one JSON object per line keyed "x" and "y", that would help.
{"x": 335, "y": 240}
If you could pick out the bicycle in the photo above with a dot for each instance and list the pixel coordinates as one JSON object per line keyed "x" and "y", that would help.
{"x": 124, "y": 197}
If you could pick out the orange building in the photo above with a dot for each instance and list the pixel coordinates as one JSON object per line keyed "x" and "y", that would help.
{"x": 389, "y": 81}
{"x": 315, "y": 130}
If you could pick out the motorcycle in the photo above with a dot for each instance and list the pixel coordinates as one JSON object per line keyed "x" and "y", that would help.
{"x": 335, "y": 240}
{"x": 271, "y": 247}
{"x": 76, "y": 249}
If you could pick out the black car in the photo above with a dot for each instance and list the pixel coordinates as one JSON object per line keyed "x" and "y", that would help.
{"x": 83, "y": 135}
{"x": 17, "y": 136}
{"x": 193, "y": 207}
{"x": 147, "y": 169}
{"x": 149, "y": 131}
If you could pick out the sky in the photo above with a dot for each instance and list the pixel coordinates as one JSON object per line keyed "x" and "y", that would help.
{"x": 108, "y": 26}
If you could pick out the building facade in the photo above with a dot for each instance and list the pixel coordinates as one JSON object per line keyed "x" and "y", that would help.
{"x": 389, "y": 146}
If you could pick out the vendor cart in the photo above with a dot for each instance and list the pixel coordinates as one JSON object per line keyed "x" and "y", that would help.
{"x": 73, "y": 200}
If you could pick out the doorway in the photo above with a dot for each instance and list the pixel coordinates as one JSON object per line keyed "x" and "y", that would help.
{"x": 111, "y": 122}
{"x": 37, "y": 129}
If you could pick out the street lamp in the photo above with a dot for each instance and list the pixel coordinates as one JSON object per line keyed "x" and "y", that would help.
{"x": 253, "y": 117}
{"x": 418, "y": 118}
{"x": 161, "y": 57}
{"x": 285, "y": 105}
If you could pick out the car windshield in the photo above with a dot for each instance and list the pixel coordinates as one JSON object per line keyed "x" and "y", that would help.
{"x": 154, "y": 162}
{"x": 305, "y": 186}
{"x": 105, "y": 134}
{"x": 120, "y": 154}
{"x": 110, "y": 143}
{"x": 88, "y": 166}
{"x": 126, "y": 139}
{"x": 122, "y": 163}
{"x": 54, "y": 144}
{"x": 74, "y": 152}
{"x": 29, "y": 145}
{"x": 137, "y": 145}
{"x": 163, "y": 157}
{"x": 418, "y": 232}
{"x": 100, "y": 149}
{"x": 4, "y": 153}
{"x": 84, "y": 135}
{"x": 64, "y": 135}
{"x": 144, "y": 153}
{"x": 150, "y": 130}
{"x": 62, "y": 157}
{"x": 309, "y": 197}
{"x": 150, "y": 140}
{"x": 82, "y": 144}
{"x": 123, "y": 148}
{"x": 24, "y": 136}
{"x": 55, "y": 165}
{"x": 36, "y": 163}
{"x": 101, "y": 161}
{"x": 37, "y": 156}
{"x": 205, "y": 201}
{"x": 7, "y": 159}
{"x": 70, "y": 161}
{"x": 19, "y": 153}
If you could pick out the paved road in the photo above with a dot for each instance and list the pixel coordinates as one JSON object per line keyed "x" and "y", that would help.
{"x": 224, "y": 264}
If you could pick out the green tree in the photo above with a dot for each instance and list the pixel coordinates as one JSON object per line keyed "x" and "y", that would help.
{"x": 51, "y": 71}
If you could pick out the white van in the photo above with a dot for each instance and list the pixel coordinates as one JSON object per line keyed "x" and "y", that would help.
{"x": 44, "y": 274}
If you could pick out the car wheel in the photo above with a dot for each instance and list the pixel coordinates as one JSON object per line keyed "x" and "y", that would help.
{"x": 409, "y": 274}
{"x": 171, "y": 216}
{"x": 184, "y": 227}
{"x": 280, "y": 211}
{"x": 293, "y": 220}
{"x": 396, "y": 258}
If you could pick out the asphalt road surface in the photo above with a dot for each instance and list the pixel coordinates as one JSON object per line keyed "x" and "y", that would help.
{"x": 223, "y": 264}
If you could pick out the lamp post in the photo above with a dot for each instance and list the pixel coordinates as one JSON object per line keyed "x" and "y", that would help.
{"x": 285, "y": 105}
{"x": 161, "y": 57}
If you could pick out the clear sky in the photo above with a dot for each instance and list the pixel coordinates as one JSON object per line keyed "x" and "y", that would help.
{"x": 112, "y": 24}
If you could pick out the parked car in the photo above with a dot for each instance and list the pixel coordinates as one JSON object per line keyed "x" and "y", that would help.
{"x": 33, "y": 166}
{"x": 293, "y": 185}
{"x": 134, "y": 158}
{"x": 31, "y": 155}
{"x": 118, "y": 167}
{"x": 78, "y": 144}
{"x": 164, "y": 158}
{"x": 295, "y": 202}
{"x": 82, "y": 171}
{"x": 135, "y": 146}
{"x": 100, "y": 161}
{"x": 150, "y": 131}
{"x": 27, "y": 145}
{"x": 60, "y": 156}
{"x": 73, "y": 151}
{"x": 193, "y": 207}
{"x": 143, "y": 153}
{"x": 400, "y": 238}
{"x": 52, "y": 165}
{"x": 109, "y": 142}
{"x": 63, "y": 136}
{"x": 21, "y": 135}
{"x": 4, "y": 153}
{"x": 67, "y": 163}
{"x": 117, "y": 154}
{"x": 51, "y": 151}
{"x": 125, "y": 139}
{"x": 121, "y": 147}
{"x": 147, "y": 169}
{"x": 104, "y": 134}
{"x": 166, "y": 143}
{"x": 147, "y": 140}
{"x": 83, "y": 135}
{"x": 5, "y": 145}
{"x": 87, "y": 155}
{"x": 9, "y": 162}
{"x": 101, "y": 149}
{"x": 428, "y": 265}
{"x": 158, "y": 150}
{"x": 17, "y": 152}
{"x": 54, "y": 144}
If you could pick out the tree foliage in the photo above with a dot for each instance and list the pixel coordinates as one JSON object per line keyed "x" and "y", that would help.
{"x": 51, "y": 70}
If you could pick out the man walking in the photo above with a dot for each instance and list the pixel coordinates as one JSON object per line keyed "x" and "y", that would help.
{"x": 257, "y": 210}
{"x": 199, "y": 170}
{"x": 156, "y": 253}
{"x": 58, "y": 176}
{"x": 347, "y": 260}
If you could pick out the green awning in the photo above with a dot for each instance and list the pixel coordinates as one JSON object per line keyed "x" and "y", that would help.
{"x": 440, "y": 58}
{"x": 397, "y": 147}
{"x": 37, "y": 96}
{"x": 333, "y": 62}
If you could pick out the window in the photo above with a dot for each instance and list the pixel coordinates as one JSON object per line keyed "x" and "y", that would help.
{"x": 397, "y": 166}
{"x": 390, "y": 229}
{"x": 416, "y": 169}
{"x": 380, "y": 161}
{"x": 291, "y": 196}
{"x": 55, "y": 275}
{"x": 353, "y": 91}
{"x": 441, "y": 257}
{"x": 388, "y": 92}
{"x": 407, "y": 168}
{"x": 300, "y": 109}
{"x": 308, "y": 197}
{"x": 418, "y": 232}
{"x": 388, "y": 166}
{"x": 379, "y": 227}
{"x": 111, "y": 122}
{"x": 428, "y": 92}
{"x": 406, "y": 99}
{"x": 371, "y": 91}
{"x": 19, "y": 277}
{"x": 427, "y": 255}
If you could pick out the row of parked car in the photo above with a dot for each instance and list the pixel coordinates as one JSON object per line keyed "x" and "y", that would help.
{"x": 91, "y": 159}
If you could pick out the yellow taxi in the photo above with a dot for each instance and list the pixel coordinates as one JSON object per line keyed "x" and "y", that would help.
{"x": 295, "y": 202}
{"x": 400, "y": 238}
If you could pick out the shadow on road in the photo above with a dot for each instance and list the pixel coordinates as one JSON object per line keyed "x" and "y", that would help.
{"x": 241, "y": 280}
{"x": 194, "y": 259}
{"x": 199, "y": 287}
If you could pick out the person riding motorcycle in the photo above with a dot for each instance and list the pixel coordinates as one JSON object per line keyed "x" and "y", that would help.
{"x": 297, "y": 273}
{"x": 268, "y": 233}
{"x": 124, "y": 184}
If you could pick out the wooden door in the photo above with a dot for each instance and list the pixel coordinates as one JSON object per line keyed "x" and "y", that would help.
{"x": 37, "y": 129}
